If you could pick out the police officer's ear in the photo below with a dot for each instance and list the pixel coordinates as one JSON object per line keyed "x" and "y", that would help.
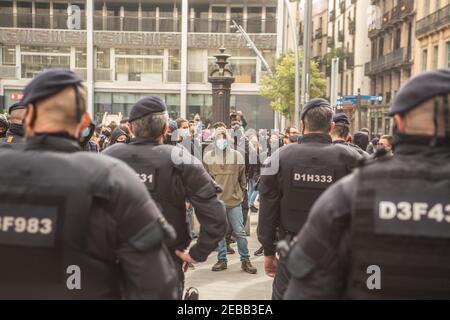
{"x": 85, "y": 121}
{"x": 400, "y": 123}
{"x": 303, "y": 126}
{"x": 29, "y": 116}
{"x": 331, "y": 127}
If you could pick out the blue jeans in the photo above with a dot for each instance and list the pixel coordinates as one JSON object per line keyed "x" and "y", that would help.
{"x": 252, "y": 193}
{"x": 190, "y": 220}
{"x": 236, "y": 221}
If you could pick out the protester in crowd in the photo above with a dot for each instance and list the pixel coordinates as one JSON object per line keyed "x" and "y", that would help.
{"x": 385, "y": 144}
{"x": 119, "y": 136}
{"x": 371, "y": 148}
{"x": 227, "y": 167}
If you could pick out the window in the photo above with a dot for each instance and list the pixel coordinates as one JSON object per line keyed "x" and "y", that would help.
{"x": 448, "y": 54}
{"x": 242, "y": 63}
{"x": 42, "y": 17}
{"x": 6, "y": 14}
{"x": 9, "y": 55}
{"x": 141, "y": 65}
{"x": 114, "y": 102}
{"x": 80, "y": 58}
{"x": 24, "y": 18}
{"x": 435, "y": 57}
{"x": 174, "y": 72}
{"x": 103, "y": 58}
{"x": 36, "y": 59}
{"x": 254, "y": 22}
{"x": 424, "y": 59}
{"x": 271, "y": 25}
{"x": 218, "y": 23}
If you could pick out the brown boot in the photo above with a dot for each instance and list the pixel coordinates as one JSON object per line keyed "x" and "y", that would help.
{"x": 220, "y": 266}
{"x": 246, "y": 266}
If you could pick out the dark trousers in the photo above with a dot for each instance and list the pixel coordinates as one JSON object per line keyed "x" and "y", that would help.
{"x": 180, "y": 273}
{"x": 281, "y": 281}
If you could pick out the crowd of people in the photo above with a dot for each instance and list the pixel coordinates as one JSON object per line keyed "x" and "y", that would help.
{"x": 140, "y": 216}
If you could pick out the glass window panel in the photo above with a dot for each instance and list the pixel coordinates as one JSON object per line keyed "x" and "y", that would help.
{"x": 103, "y": 58}
{"x": 80, "y": 58}
{"x": 174, "y": 59}
{"x": 254, "y": 19}
{"x": 244, "y": 70}
{"x": 9, "y": 55}
{"x": 34, "y": 64}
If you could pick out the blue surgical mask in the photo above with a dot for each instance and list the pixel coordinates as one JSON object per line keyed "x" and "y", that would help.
{"x": 222, "y": 144}
{"x": 85, "y": 132}
{"x": 184, "y": 133}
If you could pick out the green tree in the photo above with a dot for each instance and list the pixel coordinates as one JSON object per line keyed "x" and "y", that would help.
{"x": 279, "y": 87}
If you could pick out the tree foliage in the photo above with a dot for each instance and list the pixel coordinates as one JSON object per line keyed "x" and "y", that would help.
{"x": 279, "y": 87}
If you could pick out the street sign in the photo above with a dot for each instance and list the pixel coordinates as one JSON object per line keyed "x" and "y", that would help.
{"x": 372, "y": 98}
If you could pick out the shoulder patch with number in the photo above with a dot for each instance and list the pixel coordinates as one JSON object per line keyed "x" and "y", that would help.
{"x": 313, "y": 177}
{"x": 28, "y": 225}
{"x": 413, "y": 213}
{"x": 146, "y": 174}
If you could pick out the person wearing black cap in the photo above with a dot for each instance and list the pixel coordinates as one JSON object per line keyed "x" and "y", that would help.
{"x": 75, "y": 225}
{"x": 172, "y": 175}
{"x": 341, "y": 132}
{"x": 15, "y": 134}
{"x": 384, "y": 231}
{"x": 293, "y": 178}
{"x": 4, "y": 125}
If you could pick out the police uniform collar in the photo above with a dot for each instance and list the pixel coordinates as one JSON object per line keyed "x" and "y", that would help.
{"x": 339, "y": 142}
{"x": 54, "y": 141}
{"x": 404, "y": 143}
{"x": 137, "y": 140}
{"x": 316, "y": 138}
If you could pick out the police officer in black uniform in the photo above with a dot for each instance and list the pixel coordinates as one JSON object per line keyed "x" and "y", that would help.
{"x": 74, "y": 225}
{"x": 15, "y": 134}
{"x": 341, "y": 132}
{"x": 293, "y": 178}
{"x": 172, "y": 175}
{"x": 384, "y": 231}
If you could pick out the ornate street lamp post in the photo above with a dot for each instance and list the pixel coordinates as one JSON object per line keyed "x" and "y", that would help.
{"x": 221, "y": 79}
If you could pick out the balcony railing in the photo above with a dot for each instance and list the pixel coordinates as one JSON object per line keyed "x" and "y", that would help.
{"x": 433, "y": 22}
{"x": 38, "y": 21}
{"x": 224, "y": 26}
{"x": 196, "y": 76}
{"x": 8, "y": 72}
{"x": 161, "y": 24}
{"x": 394, "y": 59}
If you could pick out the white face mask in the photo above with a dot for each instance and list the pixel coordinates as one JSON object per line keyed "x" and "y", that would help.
{"x": 184, "y": 133}
{"x": 222, "y": 144}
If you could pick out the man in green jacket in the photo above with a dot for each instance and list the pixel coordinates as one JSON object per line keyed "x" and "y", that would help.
{"x": 227, "y": 167}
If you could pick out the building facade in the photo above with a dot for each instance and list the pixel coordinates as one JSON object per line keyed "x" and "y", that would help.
{"x": 432, "y": 50}
{"x": 347, "y": 40}
{"x": 143, "y": 47}
{"x": 392, "y": 37}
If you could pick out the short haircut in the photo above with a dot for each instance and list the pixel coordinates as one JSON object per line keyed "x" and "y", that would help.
{"x": 112, "y": 125}
{"x": 180, "y": 122}
{"x": 151, "y": 126}
{"x": 318, "y": 119}
{"x": 341, "y": 130}
{"x": 388, "y": 138}
{"x": 219, "y": 125}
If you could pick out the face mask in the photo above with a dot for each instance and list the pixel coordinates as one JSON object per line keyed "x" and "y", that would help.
{"x": 222, "y": 144}
{"x": 85, "y": 133}
{"x": 184, "y": 133}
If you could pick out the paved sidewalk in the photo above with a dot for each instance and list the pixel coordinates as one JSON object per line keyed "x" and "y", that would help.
{"x": 232, "y": 283}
